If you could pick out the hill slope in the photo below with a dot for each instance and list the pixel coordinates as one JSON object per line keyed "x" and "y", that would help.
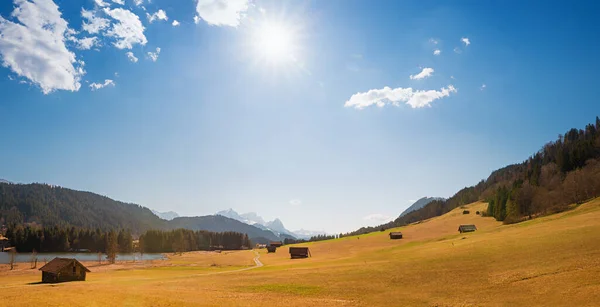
{"x": 419, "y": 204}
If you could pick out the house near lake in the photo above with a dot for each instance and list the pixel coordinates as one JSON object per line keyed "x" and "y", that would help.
{"x": 395, "y": 235}
{"x": 63, "y": 269}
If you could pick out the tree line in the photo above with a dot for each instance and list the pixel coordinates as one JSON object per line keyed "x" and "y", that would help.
{"x": 563, "y": 172}
{"x": 183, "y": 240}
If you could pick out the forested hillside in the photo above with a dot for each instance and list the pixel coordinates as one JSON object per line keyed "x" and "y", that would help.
{"x": 49, "y": 206}
{"x": 563, "y": 172}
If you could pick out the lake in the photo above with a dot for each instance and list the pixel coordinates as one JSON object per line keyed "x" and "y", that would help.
{"x": 26, "y": 257}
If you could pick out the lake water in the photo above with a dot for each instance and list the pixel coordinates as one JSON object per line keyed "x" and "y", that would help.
{"x": 26, "y": 257}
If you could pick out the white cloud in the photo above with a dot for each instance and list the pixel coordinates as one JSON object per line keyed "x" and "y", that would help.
{"x": 154, "y": 55}
{"x": 426, "y": 72}
{"x": 97, "y": 86}
{"x": 483, "y": 86}
{"x": 295, "y": 202}
{"x": 437, "y": 52}
{"x": 129, "y": 29}
{"x": 197, "y": 19}
{"x": 221, "y": 12}
{"x": 160, "y": 15}
{"x": 34, "y": 46}
{"x": 131, "y": 57}
{"x": 94, "y": 23}
{"x": 176, "y": 23}
{"x": 452, "y": 77}
{"x": 378, "y": 218}
{"x": 433, "y": 41}
{"x": 121, "y": 2}
{"x": 138, "y": 2}
{"x": 457, "y": 50}
{"x": 86, "y": 43}
{"x": 466, "y": 41}
{"x": 396, "y": 96}
{"x": 101, "y": 3}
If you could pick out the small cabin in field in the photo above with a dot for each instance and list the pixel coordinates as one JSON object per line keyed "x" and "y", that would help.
{"x": 299, "y": 252}
{"x": 276, "y": 243}
{"x": 466, "y": 228}
{"x": 466, "y": 211}
{"x": 395, "y": 235}
{"x": 271, "y": 249}
{"x": 63, "y": 269}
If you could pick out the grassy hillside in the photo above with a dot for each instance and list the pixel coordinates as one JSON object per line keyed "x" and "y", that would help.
{"x": 550, "y": 261}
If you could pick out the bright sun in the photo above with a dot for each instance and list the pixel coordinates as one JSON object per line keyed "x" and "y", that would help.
{"x": 274, "y": 42}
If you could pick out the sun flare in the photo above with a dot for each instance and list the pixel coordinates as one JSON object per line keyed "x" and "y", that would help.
{"x": 274, "y": 42}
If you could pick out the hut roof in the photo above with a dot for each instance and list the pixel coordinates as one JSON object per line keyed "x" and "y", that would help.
{"x": 469, "y": 227}
{"x": 57, "y": 264}
{"x": 395, "y": 233}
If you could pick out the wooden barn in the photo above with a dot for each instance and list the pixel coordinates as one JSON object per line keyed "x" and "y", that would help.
{"x": 466, "y": 211}
{"x": 276, "y": 243}
{"x": 271, "y": 249}
{"x": 63, "y": 269}
{"x": 395, "y": 235}
{"x": 466, "y": 228}
{"x": 299, "y": 252}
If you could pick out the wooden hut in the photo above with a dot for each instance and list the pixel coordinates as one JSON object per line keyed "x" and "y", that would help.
{"x": 466, "y": 211}
{"x": 466, "y": 228}
{"x": 276, "y": 243}
{"x": 63, "y": 269}
{"x": 299, "y": 252}
{"x": 271, "y": 249}
{"x": 395, "y": 235}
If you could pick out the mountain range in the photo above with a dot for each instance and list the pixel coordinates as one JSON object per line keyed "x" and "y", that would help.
{"x": 419, "y": 204}
{"x": 276, "y": 226}
{"x": 166, "y": 215}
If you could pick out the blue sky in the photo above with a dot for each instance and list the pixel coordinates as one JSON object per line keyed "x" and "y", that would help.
{"x": 281, "y": 108}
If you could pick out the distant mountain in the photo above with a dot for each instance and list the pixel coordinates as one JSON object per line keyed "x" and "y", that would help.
{"x": 420, "y": 204}
{"x": 5, "y": 181}
{"x": 221, "y": 223}
{"x": 166, "y": 215}
{"x": 306, "y": 234}
{"x": 251, "y": 218}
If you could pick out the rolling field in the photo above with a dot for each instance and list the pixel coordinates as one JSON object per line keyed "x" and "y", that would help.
{"x": 550, "y": 261}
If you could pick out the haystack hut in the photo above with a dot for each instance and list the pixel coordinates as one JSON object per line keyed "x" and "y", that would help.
{"x": 466, "y": 228}
{"x": 276, "y": 243}
{"x": 271, "y": 249}
{"x": 299, "y": 252}
{"x": 63, "y": 269}
{"x": 466, "y": 211}
{"x": 395, "y": 235}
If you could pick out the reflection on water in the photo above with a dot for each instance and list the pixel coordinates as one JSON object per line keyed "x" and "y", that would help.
{"x": 5, "y": 257}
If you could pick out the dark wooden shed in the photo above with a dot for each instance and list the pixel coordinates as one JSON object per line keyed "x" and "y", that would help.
{"x": 63, "y": 269}
{"x": 271, "y": 249}
{"x": 466, "y": 211}
{"x": 466, "y": 228}
{"x": 395, "y": 235}
{"x": 299, "y": 252}
{"x": 276, "y": 243}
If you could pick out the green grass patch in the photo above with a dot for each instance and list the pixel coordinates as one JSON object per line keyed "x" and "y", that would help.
{"x": 295, "y": 289}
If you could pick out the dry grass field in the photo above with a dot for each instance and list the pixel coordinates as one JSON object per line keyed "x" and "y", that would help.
{"x": 550, "y": 261}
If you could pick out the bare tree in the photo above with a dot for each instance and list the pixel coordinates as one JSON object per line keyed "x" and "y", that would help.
{"x": 13, "y": 257}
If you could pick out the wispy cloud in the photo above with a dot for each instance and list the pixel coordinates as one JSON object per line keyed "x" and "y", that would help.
{"x": 128, "y": 30}
{"x": 457, "y": 50}
{"x": 160, "y": 15}
{"x": 437, "y": 52}
{"x": 120, "y": 2}
{"x": 92, "y": 23}
{"x": 85, "y": 43}
{"x": 397, "y": 96}
{"x": 97, "y": 86}
{"x": 426, "y": 72}
{"x": 221, "y": 12}
{"x": 378, "y": 218}
{"x": 101, "y": 3}
{"x": 433, "y": 41}
{"x": 176, "y": 23}
{"x": 34, "y": 46}
{"x": 483, "y": 86}
{"x": 466, "y": 41}
{"x": 154, "y": 55}
{"x": 131, "y": 57}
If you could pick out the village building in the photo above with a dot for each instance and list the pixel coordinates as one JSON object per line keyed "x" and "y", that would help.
{"x": 395, "y": 235}
{"x": 466, "y": 228}
{"x": 271, "y": 249}
{"x": 63, "y": 269}
{"x": 276, "y": 243}
{"x": 4, "y": 243}
{"x": 299, "y": 252}
{"x": 258, "y": 245}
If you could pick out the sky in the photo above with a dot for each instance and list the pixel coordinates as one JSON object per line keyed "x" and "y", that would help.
{"x": 329, "y": 115}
